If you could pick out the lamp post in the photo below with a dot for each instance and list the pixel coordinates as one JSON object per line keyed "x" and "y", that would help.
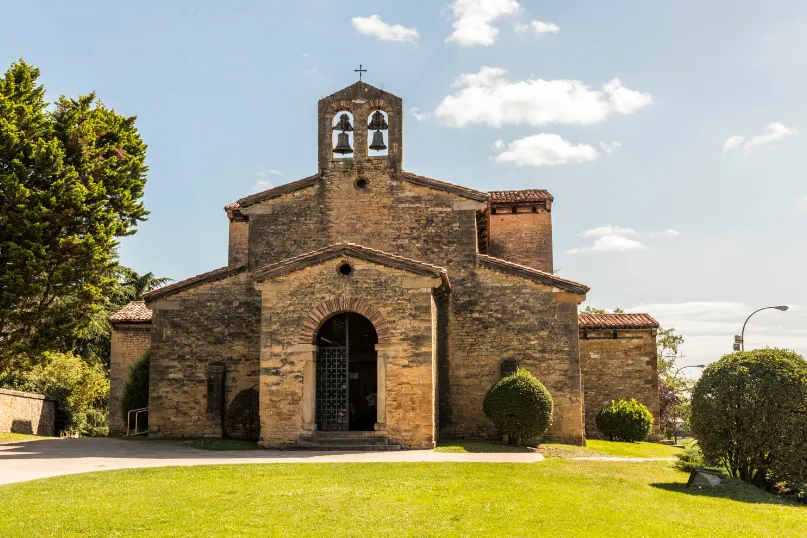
{"x": 782, "y": 308}
{"x": 675, "y": 409}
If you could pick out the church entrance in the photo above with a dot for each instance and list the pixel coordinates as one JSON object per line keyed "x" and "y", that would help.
{"x": 347, "y": 377}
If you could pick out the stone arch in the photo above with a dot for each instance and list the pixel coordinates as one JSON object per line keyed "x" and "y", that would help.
{"x": 321, "y": 313}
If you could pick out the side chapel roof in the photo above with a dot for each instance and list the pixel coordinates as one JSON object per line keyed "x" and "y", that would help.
{"x": 528, "y": 195}
{"x": 133, "y": 312}
{"x": 498, "y": 264}
{"x": 211, "y": 276}
{"x": 617, "y": 321}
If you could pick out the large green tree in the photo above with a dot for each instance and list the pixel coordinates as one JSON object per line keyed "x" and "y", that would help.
{"x": 71, "y": 182}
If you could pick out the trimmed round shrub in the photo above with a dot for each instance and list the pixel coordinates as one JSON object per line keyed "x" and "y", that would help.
{"x": 136, "y": 391}
{"x": 749, "y": 414}
{"x": 242, "y": 418}
{"x": 520, "y": 406}
{"x": 624, "y": 420}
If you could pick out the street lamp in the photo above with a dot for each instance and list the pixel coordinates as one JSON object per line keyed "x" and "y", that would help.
{"x": 675, "y": 408}
{"x": 782, "y": 308}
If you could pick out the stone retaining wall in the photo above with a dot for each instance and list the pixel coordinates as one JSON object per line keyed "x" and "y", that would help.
{"x": 24, "y": 412}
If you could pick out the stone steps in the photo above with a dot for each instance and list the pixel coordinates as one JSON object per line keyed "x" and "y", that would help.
{"x": 346, "y": 441}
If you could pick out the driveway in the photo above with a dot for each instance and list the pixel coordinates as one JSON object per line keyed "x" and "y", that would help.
{"x": 29, "y": 460}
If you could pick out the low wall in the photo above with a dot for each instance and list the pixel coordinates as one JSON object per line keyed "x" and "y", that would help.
{"x": 23, "y": 412}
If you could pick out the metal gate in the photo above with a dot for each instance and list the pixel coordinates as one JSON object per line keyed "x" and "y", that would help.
{"x": 332, "y": 389}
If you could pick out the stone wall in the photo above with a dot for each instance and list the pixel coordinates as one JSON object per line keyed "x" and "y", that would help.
{"x": 129, "y": 342}
{"x": 624, "y": 367}
{"x": 523, "y": 237}
{"x": 197, "y": 334}
{"x": 402, "y": 303}
{"x": 238, "y": 245}
{"x": 23, "y": 412}
{"x": 495, "y": 317}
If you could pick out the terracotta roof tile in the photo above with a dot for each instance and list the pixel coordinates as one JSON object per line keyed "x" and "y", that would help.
{"x": 530, "y": 273}
{"x": 133, "y": 312}
{"x": 529, "y": 195}
{"x": 212, "y": 276}
{"x": 350, "y": 249}
{"x": 272, "y": 193}
{"x": 445, "y": 186}
{"x": 616, "y": 321}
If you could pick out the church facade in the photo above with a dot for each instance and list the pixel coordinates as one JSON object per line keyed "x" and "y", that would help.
{"x": 365, "y": 298}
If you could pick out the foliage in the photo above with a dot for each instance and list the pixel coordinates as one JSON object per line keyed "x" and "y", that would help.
{"x": 242, "y": 415}
{"x": 136, "y": 390}
{"x": 668, "y": 344}
{"x": 520, "y": 406}
{"x": 71, "y": 182}
{"x": 80, "y": 390}
{"x": 592, "y": 310}
{"x": 669, "y": 402}
{"x": 690, "y": 459}
{"x": 625, "y": 421}
{"x": 749, "y": 414}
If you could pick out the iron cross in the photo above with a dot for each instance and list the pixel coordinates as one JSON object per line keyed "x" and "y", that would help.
{"x": 359, "y": 71}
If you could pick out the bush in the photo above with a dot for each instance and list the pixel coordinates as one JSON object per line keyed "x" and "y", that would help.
{"x": 80, "y": 390}
{"x": 520, "y": 406}
{"x": 242, "y": 415}
{"x": 749, "y": 414}
{"x": 690, "y": 459}
{"x": 625, "y": 421}
{"x": 136, "y": 391}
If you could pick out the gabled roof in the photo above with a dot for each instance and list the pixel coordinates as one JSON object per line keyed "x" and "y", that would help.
{"x": 528, "y": 195}
{"x": 133, "y": 312}
{"x": 529, "y": 273}
{"x": 444, "y": 186}
{"x": 274, "y": 192}
{"x": 211, "y": 276}
{"x": 616, "y": 321}
{"x": 350, "y": 249}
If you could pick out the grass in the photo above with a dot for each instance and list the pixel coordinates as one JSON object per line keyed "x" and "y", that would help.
{"x": 223, "y": 444}
{"x": 552, "y": 498}
{"x": 478, "y": 446}
{"x": 9, "y": 437}
{"x": 594, "y": 448}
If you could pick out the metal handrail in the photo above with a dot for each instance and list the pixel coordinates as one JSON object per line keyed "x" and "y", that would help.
{"x": 129, "y": 421}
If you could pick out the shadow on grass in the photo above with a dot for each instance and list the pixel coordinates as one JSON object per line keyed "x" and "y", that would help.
{"x": 731, "y": 489}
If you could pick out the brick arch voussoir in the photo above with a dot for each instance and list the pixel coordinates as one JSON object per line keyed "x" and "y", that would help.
{"x": 320, "y": 313}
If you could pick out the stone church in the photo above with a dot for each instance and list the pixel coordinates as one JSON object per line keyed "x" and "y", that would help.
{"x": 373, "y": 307}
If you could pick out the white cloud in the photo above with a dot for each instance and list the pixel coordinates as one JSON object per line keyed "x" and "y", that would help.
{"x": 499, "y": 144}
{"x": 708, "y": 327}
{"x": 375, "y": 27}
{"x": 420, "y": 116}
{"x": 773, "y": 133}
{"x": 610, "y": 148}
{"x": 538, "y": 27}
{"x": 473, "y": 18}
{"x": 261, "y": 185}
{"x": 616, "y": 238}
{"x": 263, "y": 172}
{"x": 487, "y": 97}
{"x": 545, "y": 150}
{"x": 801, "y": 203}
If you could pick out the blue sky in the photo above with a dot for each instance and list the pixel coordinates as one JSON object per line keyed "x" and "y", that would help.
{"x": 669, "y": 220}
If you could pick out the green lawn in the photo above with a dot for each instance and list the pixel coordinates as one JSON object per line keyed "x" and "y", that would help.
{"x": 594, "y": 448}
{"x": 13, "y": 437}
{"x": 478, "y": 446}
{"x": 553, "y": 498}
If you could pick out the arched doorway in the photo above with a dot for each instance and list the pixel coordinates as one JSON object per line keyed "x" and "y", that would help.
{"x": 347, "y": 376}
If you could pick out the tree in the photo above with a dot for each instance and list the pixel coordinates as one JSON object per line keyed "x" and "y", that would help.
{"x": 592, "y": 310}
{"x": 749, "y": 414}
{"x": 520, "y": 406}
{"x": 71, "y": 182}
{"x": 668, "y": 344}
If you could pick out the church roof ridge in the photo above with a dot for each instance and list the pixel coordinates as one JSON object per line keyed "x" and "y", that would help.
{"x": 346, "y": 248}
{"x": 132, "y": 312}
{"x": 617, "y": 321}
{"x": 211, "y": 276}
{"x": 274, "y": 192}
{"x": 525, "y": 195}
{"x": 417, "y": 179}
{"x": 530, "y": 273}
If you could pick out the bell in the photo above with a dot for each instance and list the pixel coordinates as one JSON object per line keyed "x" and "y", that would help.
{"x": 343, "y": 124}
{"x": 378, "y": 122}
{"x": 343, "y": 144}
{"x": 378, "y": 142}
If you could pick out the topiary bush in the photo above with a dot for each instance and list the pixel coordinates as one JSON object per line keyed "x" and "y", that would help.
{"x": 749, "y": 414}
{"x": 520, "y": 406}
{"x": 624, "y": 420}
{"x": 242, "y": 417}
{"x": 136, "y": 391}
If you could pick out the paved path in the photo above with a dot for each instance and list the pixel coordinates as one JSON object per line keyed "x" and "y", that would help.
{"x": 28, "y": 460}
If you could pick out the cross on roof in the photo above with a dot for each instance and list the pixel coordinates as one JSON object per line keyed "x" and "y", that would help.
{"x": 359, "y": 71}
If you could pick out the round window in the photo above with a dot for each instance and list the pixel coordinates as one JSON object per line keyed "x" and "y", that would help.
{"x": 346, "y": 269}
